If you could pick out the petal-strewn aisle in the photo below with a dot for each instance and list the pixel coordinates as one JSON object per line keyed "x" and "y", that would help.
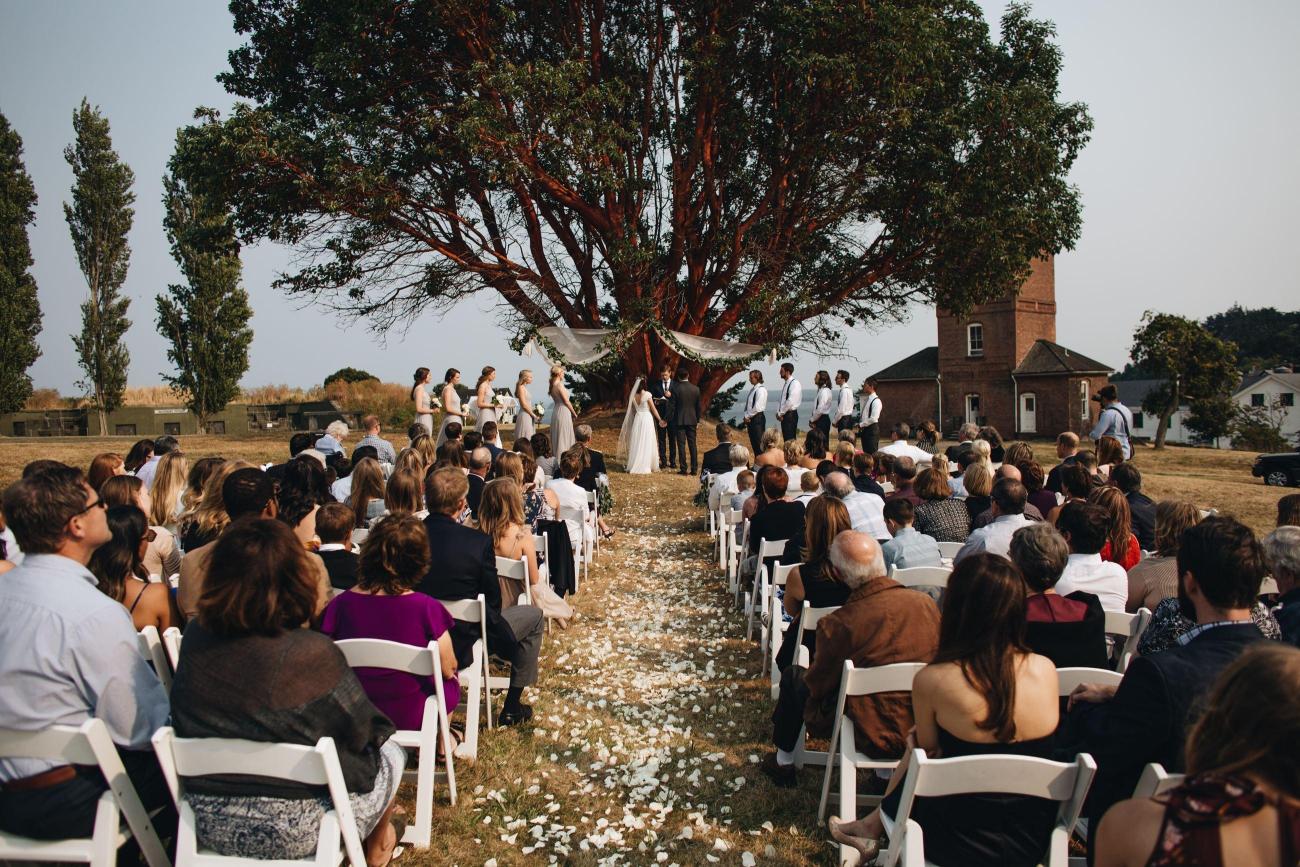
{"x": 650, "y": 721}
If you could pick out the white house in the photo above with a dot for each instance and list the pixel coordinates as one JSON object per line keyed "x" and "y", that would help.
{"x": 1273, "y": 388}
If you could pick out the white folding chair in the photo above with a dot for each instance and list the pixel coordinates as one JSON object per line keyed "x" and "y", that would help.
{"x": 739, "y": 542}
{"x": 948, "y": 550}
{"x": 582, "y": 556}
{"x": 1155, "y": 781}
{"x": 843, "y": 751}
{"x": 421, "y": 662}
{"x": 1069, "y": 678}
{"x": 809, "y": 617}
{"x": 593, "y": 521}
{"x": 86, "y": 744}
{"x": 171, "y": 639}
{"x": 151, "y": 648}
{"x": 543, "y": 556}
{"x": 758, "y": 595}
{"x": 315, "y": 765}
{"x": 1268, "y": 586}
{"x": 1131, "y": 627}
{"x": 776, "y": 625}
{"x": 473, "y": 677}
{"x": 721, "y": 521}
{"x": 516, "y": 570}
{"x": 729, "y": 540}
{"x": 1005, "y": 775}
{"x": 921, "y": 576}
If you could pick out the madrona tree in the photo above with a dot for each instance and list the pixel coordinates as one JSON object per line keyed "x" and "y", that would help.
{"x": 768, "y": 171}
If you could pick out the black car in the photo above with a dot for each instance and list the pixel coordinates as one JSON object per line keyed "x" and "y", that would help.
{"x": 1280, "y": 469}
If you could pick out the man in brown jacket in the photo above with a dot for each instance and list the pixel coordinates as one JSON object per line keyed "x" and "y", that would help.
{"x": 882, "y": 622}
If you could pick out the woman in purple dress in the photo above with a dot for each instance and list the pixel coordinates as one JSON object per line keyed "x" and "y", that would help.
{"x": 394, "y": 557}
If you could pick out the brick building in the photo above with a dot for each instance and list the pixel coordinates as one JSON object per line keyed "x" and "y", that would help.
{"x": 1000, "y": 366}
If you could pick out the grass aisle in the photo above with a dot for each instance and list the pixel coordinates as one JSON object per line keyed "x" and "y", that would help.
{"x": 650, "y": 720}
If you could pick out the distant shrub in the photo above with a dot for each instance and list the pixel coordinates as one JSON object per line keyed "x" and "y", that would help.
{"x": 348, "y": 374}
{"x": 388, "y": 400}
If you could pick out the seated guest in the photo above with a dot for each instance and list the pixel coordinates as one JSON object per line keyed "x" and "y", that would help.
{"x": 1018, "y": 453}
{"x": 341, "y": 487}
{"x": 927, "y": 437}
{"x": 450, "y": 454}
{"x": 367, "y": 497}
{"x": 452, "y": 433}
{"x": 68, "y": 653}
{"x": 814, "y": 449}
{"x": 1067, "y": 446}
{"x": 471, "y": 440}
{"x": 940, "y": 516}
{"x": 866, "y": 511}
{"x": 957, "y": 475}
{"x": 880, "y": 623}
{"x": 977, "y": 482}
{"x": 1088, "y": 460}
{"x": 744, "y": 489}
{"x": 907, "y": 548}
{"x": 161, "y": 446}
{"x": 718, "y": 459}
{"x": 725, "y": 484}
{"x": 966, "y": 435}
{"x": 812, "y": 580}
{"x": 843, "y": 456}
{"x": 904, "y": 477}
{"x": 985, "y": 693}
{"x": 163, "y": 555}
{"x": 571, "y": 500}
{"x": 864, "y": 480}
{"x": 298, "y": 443}
{"x": 403, "y": 495}
{"x": 1155, "y": 578}
{"x": 383, "y": 448}
{"x": 1069, "y": 630}
{"x": 137, "y": 456}
{"x": 990, "y": 435}
{"x": 304, "y": 489}
{"x": 1282, "y": 555}
{"x": 593, "y": 464}
{"x": 1076, "y": 485}
{"x": 1121, "y": 545}
{"x": 246, "y": 492}
{"x": 334, "y": 525}
{"x": 1142, "y": 510}
{"x": 1009, "y": 510}
{"x": 119, "y": 566}
{"x": 542, "y": 453}
{"x": 809, "y": 488}
{"x": 884, "y": 467}
{"x": 981, "y": 449}
{"x": 1110, "y": 454}
{"x": 1031, "y": 476}
{"x": 899, "y": 447}
{"x": 1241, "y": 798}
{"x": 779, "y": 517}
{"x": 479, "y": 461}
{"x": 253, "y": 672}
{"x": 770, "y": 451}
{"x": 491, "y": 438}
{"x": 336, "y": 434}
{"x": 1084, "y": 526}
{"x": 1145, "y": 719}
{"x": 383, "y": 604}
{"x": 1007, "y": 471}
{"x": 463, "y": 565}
{"x": 794, "y": 464}
{"x": 1288, "y": 511}
{"x": 205, "y": 520}
{"x": 102, "y": 468}
{"x": 501, "y": 517}
{"x": 168, "y": 491}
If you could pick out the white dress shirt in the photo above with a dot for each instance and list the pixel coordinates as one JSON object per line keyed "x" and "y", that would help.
{"x": 871, "y": 410}
{"x": 902, "y": 448}
{"x": 69, "y": 653}
{"x": 146, "y": 472}
{"x": 791, "y": 396}
{"x": 756, "y": 402}
{"x": 822, "y": 403}
{"x": 867, "y": 514}
{"x": 573, "y": 508}
{"x": 723, "y": 486}
{"x": 995, "y": 538}
{"x": 1089, "y": 573}
{"x": 844, "y": 404}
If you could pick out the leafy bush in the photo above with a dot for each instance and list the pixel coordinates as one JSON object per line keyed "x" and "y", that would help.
{"x": 1259, "y": 428}
{"x": 348, "y": 374}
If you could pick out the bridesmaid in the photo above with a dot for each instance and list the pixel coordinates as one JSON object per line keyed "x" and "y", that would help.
{"x": 484, "y": 397}
{"x": 525, "y": 420}
{"x": 423, "y": 412}
{"x": 562, "y": 414}
{"x": 451, "y": 410}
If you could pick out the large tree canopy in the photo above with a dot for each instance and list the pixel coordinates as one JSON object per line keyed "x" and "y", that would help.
{"x": 767, "y": 171}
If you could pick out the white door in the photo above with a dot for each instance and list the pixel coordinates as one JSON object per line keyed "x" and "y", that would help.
{"x": 1028, "y": 413}
{"x": 973, "y": 408}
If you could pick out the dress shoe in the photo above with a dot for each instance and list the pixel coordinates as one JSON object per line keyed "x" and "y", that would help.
{"x": 867, "y": 848}
{"x": 517, "y": 716}
{"x": 782, "y": 776}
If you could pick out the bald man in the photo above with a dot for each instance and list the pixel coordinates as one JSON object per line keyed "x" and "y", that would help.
{"x": 1006, "y": 471}
{"x": 881, "y": 623}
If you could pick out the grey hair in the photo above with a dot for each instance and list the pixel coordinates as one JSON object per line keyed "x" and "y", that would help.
{"x": 337, "y": 429}
{"x": 582, "y": 433}
{"x": 837, "y": 485}
{"x": 738, "y": 455}
{"x": 853, "y": 572}
{"x": 969, "y": 431}
{"x": 1282, "y": 551}
{"x": 1041, "y": 552}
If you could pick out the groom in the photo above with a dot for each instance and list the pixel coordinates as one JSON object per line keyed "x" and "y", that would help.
{"x": 664, "y": 394}
{"x": 685, "y": 416}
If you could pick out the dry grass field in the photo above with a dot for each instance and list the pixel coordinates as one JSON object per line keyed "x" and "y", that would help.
{"x": 651, "y": 714}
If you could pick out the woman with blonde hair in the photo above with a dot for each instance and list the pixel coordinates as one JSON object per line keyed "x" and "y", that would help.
{"x": 194, "y": 483}
{"x": 501, "y": 516}
{"x": 484, "y": 410}
{"x": 1240, "y": 800}
{"x": 978, "y": 482}
{"x": 982, "y": 451}
{"x": 168, "y": 489}
{"x": 412, "y": 460}
{"x": 208, "y": 518}
{"x": 162, "y": 557}
{"x": 1121, "y": 545}
{"x": 771, "y": 451}
{"x": 1156, "y": 578}
{"x": 525, "y": 419}
{"x": 562, "y": 413}
{"x": 793, "y": 454}
{"x": 367, "y": 499}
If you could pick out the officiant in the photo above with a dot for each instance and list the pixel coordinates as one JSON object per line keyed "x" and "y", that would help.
{"x": 664, "y": 393}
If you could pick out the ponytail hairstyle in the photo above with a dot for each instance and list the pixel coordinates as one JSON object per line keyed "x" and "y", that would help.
{"x": 421, "y": 374}
{"x": 483, "y": 377}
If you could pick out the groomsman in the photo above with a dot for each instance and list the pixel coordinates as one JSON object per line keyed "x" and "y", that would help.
{"x": 869, "y": 429}
{"x": 661, "y": 391}
{"x": 686, "y": 415}
{"x": 844, "y": 418}
{"x": 787, "y": 411}
{"x": 821, "y": 412}
{"x": 755, "y": 410}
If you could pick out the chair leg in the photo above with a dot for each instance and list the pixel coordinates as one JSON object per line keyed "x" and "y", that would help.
{"x": 104, "y": 841}
{"x": 448, "y": 755}
{"x": 831, "y": 755}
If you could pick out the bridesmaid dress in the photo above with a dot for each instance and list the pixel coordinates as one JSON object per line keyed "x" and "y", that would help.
{"x": 447, "y": 418}
{"x": 561, "y": 423}
{"x": 524, "y": 425}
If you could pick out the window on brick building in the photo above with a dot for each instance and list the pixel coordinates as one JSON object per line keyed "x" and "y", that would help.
{"x": 1257, "y": 400}
{"x": 975, "y": 339}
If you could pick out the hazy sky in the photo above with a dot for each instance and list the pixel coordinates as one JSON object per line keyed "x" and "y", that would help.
{"x": 1190, "y": 184}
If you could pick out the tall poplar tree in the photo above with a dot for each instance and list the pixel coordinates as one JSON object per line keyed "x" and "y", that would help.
{"x": 20, "y": 309}
{"x": 206, "y": 317}
{"x": 99, "y": 219}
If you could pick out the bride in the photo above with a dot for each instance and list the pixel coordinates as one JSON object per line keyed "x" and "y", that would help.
{"x": 637, "y": 444}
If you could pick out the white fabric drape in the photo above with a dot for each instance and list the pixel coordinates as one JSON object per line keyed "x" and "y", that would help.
{"x": 583, "y": 345}
{"x": 716, "y": 350}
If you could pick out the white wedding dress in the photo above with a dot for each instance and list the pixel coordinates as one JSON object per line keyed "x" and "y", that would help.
{"x": 642, "y": 446}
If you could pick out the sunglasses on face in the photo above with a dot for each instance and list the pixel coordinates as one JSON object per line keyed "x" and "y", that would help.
{"x": 98, "y": 504}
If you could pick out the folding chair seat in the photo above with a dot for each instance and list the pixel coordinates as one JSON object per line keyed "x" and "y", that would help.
{"x": 316, "y": 765}
{"x": 843, "y": 752}
{"x": 151, "y": 648}
{"x": 948, "y": 550}
{"x": 474, "y": 677}
{"x": 86, "y": 744}
{"x": 421, "y": 662}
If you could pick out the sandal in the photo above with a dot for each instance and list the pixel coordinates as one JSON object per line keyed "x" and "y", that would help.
{"x": 457, "y": 738}
{"x": 867, "y": 847}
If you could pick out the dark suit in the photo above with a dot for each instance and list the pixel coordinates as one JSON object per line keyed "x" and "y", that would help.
{"x": 667, "y": 436}
{"x": 342, "y": 568}
{"x": 1148, "y": 718}
{"x": 1143, "y": 512}
{"x": 717, "y": 459}
{"x": 464, "y": 565}
{"x": 685, "y": 416}
{"x": 955, "y": 452}
{"x": 1053, "y": 482}
{"x": 587, "y": 478}
{"x": 475, "y": 495}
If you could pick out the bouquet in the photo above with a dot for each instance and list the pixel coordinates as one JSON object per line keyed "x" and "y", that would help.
{"x": 496, "y": 400}
{"x": 435, "y": 403}
{"x": 538, "y": 409}
{"x": 577, "y": 407}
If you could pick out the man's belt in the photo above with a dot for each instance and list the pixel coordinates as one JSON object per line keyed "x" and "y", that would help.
{"x": 43, "y": 780}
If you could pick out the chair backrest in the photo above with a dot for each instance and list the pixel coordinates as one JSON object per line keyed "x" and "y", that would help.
{"x": 921, "y": 576}
{"x": 887, "y": 487}
{"x": 151, "y": 648}
{"x": 1137, "y": 625}
{"x": 171, "y": 639}
{"x": 316, "y": 765}
{"x": 770, "y": 548}
{"x": 1069, "y": 678}
{"x": 516, "y": 570}
{"x": 70, "y": 745}
{"x": 1119, "y": 622}
{"x": 467, "y": 610}
{"x": 809, "y": 617}
{"x": 1155, "y": 781}
{"x": 949, "y": 549}
{"x": 540, "y": 544}
{"x": 391, "y": 655}
{"x": 781, "y": 574}
{"x": 897, "y": 677}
